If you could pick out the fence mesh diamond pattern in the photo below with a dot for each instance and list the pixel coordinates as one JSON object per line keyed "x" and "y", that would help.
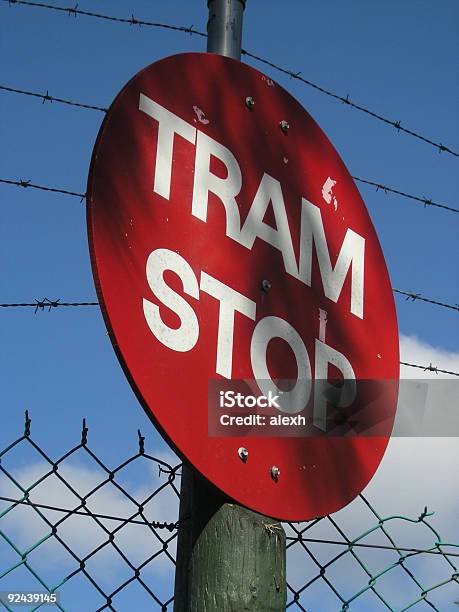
{"x": 105, "y": 537}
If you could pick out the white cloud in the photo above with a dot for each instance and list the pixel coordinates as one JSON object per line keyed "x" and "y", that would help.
{"x": 414, "y": 350}
{"x": 83, "y": 534}
{"x": 421, "y": 471}
{"x": 414, "y": 473}
{"x": 418, "y": 472}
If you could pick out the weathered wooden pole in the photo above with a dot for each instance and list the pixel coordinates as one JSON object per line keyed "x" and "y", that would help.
{"x": 229, "y": 559}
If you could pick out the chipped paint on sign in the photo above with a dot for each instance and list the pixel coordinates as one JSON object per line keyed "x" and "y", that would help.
{"x": 200, "y": 114}
{"x": 322, "y": 324}
{"x": 327, "y": 192}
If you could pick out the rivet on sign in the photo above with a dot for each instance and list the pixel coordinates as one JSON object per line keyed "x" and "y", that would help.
{"x": 249, "y": 102}
{"x": 243, "y": 454}
{"x": 265, "y": 285}
{"x": 275, "y": 473}
{"x": 284, "y": 126}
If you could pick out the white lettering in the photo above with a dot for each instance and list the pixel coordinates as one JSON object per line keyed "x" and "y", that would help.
{"x": 184, "y": 337}
{"x": 351, "y": 253}
{"x": 169, "y": 125}
{"x": 230, "y": 302}
{"x": 292, "y": 401}
{"x": 226, "y": 189}
{"x": 325, "y": 392}
{"x": 268, "y": 191}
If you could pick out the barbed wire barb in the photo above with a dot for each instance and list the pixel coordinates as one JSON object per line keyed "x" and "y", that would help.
{"x": 84, "y": 433}
{"x": 27, "y": 423}
{"x": 45, "y": 303}
{"x": 141, "y": 442}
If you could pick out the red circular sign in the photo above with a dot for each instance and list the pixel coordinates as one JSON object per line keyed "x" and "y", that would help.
{"x": 229, "y": 242}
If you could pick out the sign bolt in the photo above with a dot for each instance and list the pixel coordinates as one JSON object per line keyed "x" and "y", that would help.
{"x": 265, "y": 285}
{"x": 284, "y": 126}
{"x": 243, "y": 454}
{"x": 275, "y": 473}
{"x": 250, "y": 102}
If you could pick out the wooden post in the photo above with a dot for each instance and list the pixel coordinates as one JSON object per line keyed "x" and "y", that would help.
{"x": 228, "y": 557}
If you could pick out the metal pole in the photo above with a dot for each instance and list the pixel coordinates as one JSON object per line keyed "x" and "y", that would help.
{"x": 224, "y": 28}
{"x": 229, "y": 558}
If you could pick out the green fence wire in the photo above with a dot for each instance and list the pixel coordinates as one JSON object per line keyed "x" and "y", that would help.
{"x": 101, "y": 539}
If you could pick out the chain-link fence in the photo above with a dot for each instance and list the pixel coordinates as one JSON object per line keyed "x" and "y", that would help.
{"x": 105, "y": 538}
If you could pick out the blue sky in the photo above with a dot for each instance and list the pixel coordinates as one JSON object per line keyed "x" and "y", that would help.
{"x": 396, "y": 58}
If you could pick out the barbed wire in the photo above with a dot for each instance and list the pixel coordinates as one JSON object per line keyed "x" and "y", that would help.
{"x": 46, "y": 97}
{"x": 174, "y": 526}
{"x": 28, "y": 183}
{"x": 74, "y": 11}
{"x": 353, "y": 543}
{"x": 154, "y": 524}
{"x": 410, "y": 296}
{"x": 422, "y": 200}
{"x": 46, "y": 303}
{"x": 429, "y": 368}
{"x": 130, "y": 21}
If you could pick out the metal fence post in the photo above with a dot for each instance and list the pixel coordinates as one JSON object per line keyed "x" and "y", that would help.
{"x": 228, "y": 557}
{"x": 224, "y": 27}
